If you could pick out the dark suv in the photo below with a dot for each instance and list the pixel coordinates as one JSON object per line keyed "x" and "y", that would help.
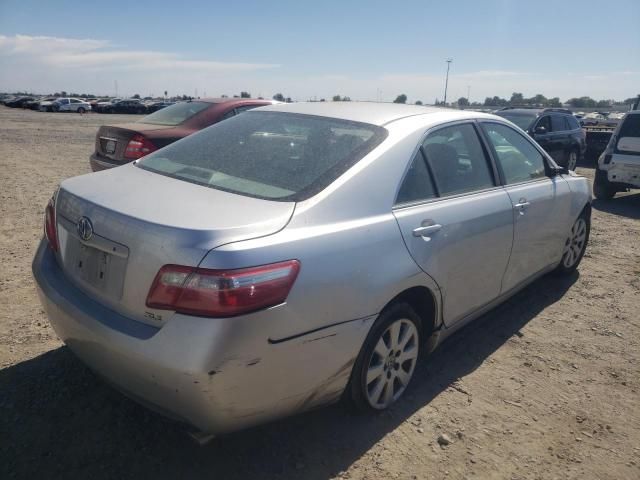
{"x": 555, "y": 129}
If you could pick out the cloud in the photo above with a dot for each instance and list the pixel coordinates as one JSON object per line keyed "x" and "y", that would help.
{"x": 37, "y": 62}
{"x": 102, "y": 55}
{"x": 46, "y": 64}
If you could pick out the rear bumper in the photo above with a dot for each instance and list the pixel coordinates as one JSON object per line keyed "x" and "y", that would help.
{"x": 98, "y": 162}
{"x": 622, "y": 171}
{"x": 218, "y": 375}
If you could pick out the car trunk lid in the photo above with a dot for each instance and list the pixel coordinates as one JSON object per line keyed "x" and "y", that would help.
{"x": 112, "y": 140}
{"x": 140, "y": 221}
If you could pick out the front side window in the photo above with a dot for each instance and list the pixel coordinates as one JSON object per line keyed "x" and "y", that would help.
{"x": 457, "y": 160}
{"x": 544, "y": 122}
{"x": 271, "y": 155}
{"x": 417, "y": 184}
{"x": 519, "y": 160}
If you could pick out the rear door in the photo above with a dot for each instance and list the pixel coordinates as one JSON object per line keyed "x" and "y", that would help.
{"x": 541, "y": 203}
{"x": 455, "y": 220}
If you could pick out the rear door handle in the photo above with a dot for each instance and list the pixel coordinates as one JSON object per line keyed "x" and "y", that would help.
{"x": 426, "y": 230}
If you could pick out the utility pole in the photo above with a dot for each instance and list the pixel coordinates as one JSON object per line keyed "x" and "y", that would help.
{"x": 446, "y": 81}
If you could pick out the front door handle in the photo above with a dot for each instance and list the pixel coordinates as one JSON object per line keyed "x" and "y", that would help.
{"x": 521, "y": 206}
{"x": 426, "y": 230}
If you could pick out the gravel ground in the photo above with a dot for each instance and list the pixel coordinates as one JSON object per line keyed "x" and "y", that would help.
{"x": 545, "y": 386}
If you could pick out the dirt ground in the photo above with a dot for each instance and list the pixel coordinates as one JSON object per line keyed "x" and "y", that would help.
{"x": 544, "y": 387}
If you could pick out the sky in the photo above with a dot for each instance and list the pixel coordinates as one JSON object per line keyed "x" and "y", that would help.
{"x": 367, "y": 50}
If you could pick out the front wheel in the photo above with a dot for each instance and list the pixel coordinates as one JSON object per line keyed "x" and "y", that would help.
{"x": 387, "y": 359}
{"x": 575, "y": 245}
{"x": 81, "y": 110}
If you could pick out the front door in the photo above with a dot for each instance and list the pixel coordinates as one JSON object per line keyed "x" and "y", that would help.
{"x": 456, "y": 222}
{"x": 541, "y": 204}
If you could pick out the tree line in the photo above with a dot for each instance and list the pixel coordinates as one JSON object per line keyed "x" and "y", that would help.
{"x": 518, "y": 99}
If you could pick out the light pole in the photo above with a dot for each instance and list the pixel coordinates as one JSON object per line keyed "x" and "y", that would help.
{"x": 446, "y": 81}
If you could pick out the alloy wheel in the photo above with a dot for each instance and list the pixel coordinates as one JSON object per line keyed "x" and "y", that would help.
{"x": 392, "y": 363}
{"x": 573, "y": 160}
{"x": 575, "y": 243}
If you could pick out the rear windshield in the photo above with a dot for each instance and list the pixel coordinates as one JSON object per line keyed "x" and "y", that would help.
{"x": 269, "y": 155}
{"x": 175, "y": 114}
{"x": 523, "y": 120}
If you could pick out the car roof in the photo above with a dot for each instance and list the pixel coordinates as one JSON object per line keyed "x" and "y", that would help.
{"x": 520, "y": 111}
{"x": 232, "y": 100}
{"x": 366, "y": 112}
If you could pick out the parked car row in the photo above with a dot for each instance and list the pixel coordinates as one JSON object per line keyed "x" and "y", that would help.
{"x": 67, "y": 104}
{"x": 296, "y": 254}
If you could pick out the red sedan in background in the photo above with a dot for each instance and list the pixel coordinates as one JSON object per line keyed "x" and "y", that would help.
{"x": 120, "y": 144}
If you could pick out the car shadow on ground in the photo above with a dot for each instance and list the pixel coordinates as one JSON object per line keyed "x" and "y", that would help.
{"x": 621, "y": 205}
{"x": 59, "y": 420}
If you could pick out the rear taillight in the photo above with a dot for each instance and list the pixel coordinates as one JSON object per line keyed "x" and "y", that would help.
{"x": 138, "y": 147}
{"x": 222, "y": 293}
{"x": 50, "y": 230}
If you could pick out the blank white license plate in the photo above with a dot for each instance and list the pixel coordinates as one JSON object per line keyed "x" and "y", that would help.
{"x": 92, "y": 266}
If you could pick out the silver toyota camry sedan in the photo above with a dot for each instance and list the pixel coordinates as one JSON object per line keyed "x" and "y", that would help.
{"x": 301, "y": 253}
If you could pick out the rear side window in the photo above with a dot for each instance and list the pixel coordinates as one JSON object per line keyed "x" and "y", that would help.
{"x": 457, "y": 160}
{"x": 558, "y": 123}
{"x": 417, "y": 184}
{"x": 630, "y": 126}
{"x": 244, "y": 108}
{"x": 519, "y": 160}
{"x": 628, "y": 139}
{"x": 271, "y": 155}
{"x": 573, "y": 123}
{"x": 175, "y": 114}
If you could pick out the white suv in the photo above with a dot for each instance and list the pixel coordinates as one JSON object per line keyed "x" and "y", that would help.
{"x": 71, "y": 105}
{"x": 619, "y": 165}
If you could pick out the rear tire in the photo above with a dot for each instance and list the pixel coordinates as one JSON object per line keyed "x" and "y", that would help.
{"x": 81, "y": 110}
{"x": 386, "y": 363}
{"x": 571, "y": 160}
{"x": 602, "y": 188}
{"x": 575, "y": 244}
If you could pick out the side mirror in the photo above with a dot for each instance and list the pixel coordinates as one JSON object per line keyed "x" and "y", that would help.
{"x": 540, "y": 130}
{"x": 558, "y": 170}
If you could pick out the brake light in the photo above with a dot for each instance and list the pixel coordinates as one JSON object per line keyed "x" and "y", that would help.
{"x": 50, "y": 229}
{"x": 138, "y": 147}
{"x": 222, "y": 293}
